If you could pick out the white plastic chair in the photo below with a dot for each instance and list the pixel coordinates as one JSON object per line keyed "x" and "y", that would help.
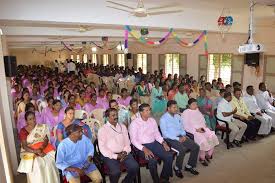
{"x": 98, "y": 114}
{"x": 80, "y": 114}
{"x": 94, "y": 125}
{"x": 115, "y": 96}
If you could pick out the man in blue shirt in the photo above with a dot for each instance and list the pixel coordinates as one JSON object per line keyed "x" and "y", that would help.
{"x": 171, "y": 126}
{"x": 74, "y": 156}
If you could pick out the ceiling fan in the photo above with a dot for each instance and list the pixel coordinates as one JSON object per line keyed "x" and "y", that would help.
{"x": 141, "y": 11}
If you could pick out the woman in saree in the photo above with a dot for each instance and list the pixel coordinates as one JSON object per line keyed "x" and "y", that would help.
{"x": 37, "y": 154}
{"x": 158, "y": 101}
{"x": 172, "y": 91}
{"x": 143, "y": 93}
{"x": 72, "y": 103}
{"x": 68, "y": 120}
{"x": 194, "y": 123}
{"x": 25, "y": 98}
{"x": 21, "y": 122}
{"x": 52, "y": 117}
{"x": 195, "y": 90}
{"x": 207, "y": 109}
{"x": 134, "y": 112}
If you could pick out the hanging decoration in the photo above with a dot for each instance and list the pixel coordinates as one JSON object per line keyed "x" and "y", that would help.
{"x": 171, "y": 32}
{"x": 104, "y": 47}
{"x": 225, "y": 21}
{"x": 144, "y": 31}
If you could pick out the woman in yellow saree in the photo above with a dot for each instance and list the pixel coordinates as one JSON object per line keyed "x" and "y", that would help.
{"x": 37, "y": 154}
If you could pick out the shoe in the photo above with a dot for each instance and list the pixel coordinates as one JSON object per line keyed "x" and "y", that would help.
{"x": 237, "y": 143}
{"x": 178, "y": 173}
{"x": 163, "y": 180}
{"x": 244, "y": 139}
{"x": 204, "y": 163}
{"x": 208, "y": 159}
{"x": 231, "y": 145}
{"x": 192, "y": 170}
{"x": 252, "y": 138}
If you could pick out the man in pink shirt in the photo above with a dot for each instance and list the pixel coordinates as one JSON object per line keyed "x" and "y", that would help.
{"x": 114, "y": 144}
{"x": 145, "y": 136}
{"x": 90, "y": 106}
{"x": 125, "y": 98}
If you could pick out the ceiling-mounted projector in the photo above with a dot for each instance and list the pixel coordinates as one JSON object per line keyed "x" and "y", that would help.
{"x": 251, "y": 48}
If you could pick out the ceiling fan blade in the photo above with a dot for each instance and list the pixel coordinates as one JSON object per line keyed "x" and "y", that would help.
{"x": 164, "y": 12}
{"x": 120, "y": 9}
{"x": 118, "y": 4}
{"x": 163, "y": 7}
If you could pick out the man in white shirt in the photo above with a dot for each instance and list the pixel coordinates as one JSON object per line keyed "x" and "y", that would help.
{"x": 265, "y": 102}
{"x": 252, "y": 105}
{"x": 71, "y": 67}
{"x": 225, "y": 113}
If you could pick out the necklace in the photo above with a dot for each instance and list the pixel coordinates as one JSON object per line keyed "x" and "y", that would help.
{"x": 116, "y": 130}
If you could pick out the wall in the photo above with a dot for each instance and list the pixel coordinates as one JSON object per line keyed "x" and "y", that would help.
{"x": 215, "y": 44}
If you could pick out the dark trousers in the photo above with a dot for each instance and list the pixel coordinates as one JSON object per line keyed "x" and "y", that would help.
{"x": 167, "y": 158}
{"x": 252, "y": 129}
{"x": 183, "y": 147}
{"x": 114, "y": 167}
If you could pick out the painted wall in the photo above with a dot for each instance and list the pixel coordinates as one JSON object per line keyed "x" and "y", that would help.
{"x": 215, "y": 43}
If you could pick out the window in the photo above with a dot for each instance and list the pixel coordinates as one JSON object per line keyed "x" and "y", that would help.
{"x": 94, "y": 58}
{"x": 219, "y": 66}
{"x": 172, "y": 64}
{"x": 72, "y": 57}
{"x": 77, "y": 58}
{"x": 105, "y": 59}
{"x": 121, "y": 60}
{"x": 85, "y": 58}
{"x": 142, "y": 62}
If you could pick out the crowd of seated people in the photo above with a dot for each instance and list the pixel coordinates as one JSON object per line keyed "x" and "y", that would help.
{"x": 46, "y": 101}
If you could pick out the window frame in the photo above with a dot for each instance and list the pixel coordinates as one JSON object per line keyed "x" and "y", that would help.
{"x": 219, "y": 70}
{"x": 172, "y": 53}
{"x": 143, "y": 66}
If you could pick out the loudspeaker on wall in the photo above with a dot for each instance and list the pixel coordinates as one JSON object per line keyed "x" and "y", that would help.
{"x": 10, "y": 66}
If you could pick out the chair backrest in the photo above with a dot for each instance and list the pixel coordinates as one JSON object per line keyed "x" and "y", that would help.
{"x": 94, "y": 125}
{"x": 80, "y": 114}
{"x": 98, "y": 114}
{"x": 54, "y": 132}
{"x": 115, "y": 96}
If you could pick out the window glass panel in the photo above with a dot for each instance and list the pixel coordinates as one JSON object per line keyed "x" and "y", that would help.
{"x": 142, "y": 62}
{"x": 219, "y": 66}
{"x": 94, "y": 58}
{"x": 105, "y": 59}
{"x": 121, "y": 60}
{"x": 85, "y": 58}
{"x": 72, "y": 57}
{"x": 172, "y": 64}
{"x": 77, "y": 58}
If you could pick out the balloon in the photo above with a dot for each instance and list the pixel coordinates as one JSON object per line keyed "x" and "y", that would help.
{"x": 229, "y": 20}
{"x": 221, "y": 21}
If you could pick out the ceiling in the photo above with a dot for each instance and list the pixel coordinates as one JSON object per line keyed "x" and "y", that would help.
{"x": 41, "y": 21}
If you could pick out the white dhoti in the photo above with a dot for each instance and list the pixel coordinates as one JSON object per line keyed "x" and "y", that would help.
{"x": 271, "y": 113}
{"x": 266, "y": 124}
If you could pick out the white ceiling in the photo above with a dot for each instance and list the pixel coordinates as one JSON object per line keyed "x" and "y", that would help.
{"x": 24, "y": 20}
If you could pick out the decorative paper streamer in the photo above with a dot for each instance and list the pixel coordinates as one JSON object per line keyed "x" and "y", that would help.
{"x": 102, "y": 47}
{"x": 170, "y": 32}
{"x": 141, "y": 39}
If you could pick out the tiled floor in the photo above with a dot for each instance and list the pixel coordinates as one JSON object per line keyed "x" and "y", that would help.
{"x": 253, "y": 163}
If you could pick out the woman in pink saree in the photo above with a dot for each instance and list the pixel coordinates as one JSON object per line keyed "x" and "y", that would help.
{"x": 37, "y": 154}
{"x": 194, "y": 123}
{"x": 52, "y": 117}
{"x": 21, "y": 122}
